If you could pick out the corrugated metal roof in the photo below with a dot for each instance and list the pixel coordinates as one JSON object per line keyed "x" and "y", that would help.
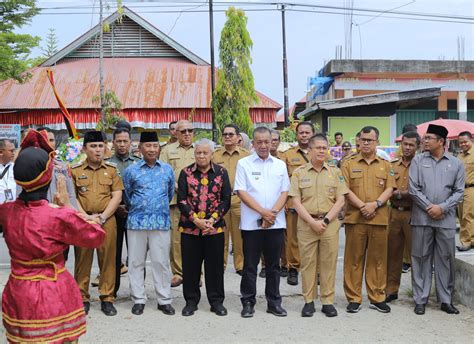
{"x": 137, "y": 82}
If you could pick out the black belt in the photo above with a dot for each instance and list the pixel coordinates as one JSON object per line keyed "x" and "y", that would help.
{"x": 469, "y": 186}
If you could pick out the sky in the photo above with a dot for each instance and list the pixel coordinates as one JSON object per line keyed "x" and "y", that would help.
{"x": 311, "y": 37}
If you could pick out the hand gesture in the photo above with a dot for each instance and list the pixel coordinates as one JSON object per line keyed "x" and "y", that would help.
{"x": 318, "y": 226}
{"x": 435, "y": 212}
{"x": 368, "y": 210}
{"x": 61, "y": 197}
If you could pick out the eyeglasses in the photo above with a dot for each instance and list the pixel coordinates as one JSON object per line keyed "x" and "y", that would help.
{"x": 228, "y": 134}
{"x": 369, "y": 141}
{"x": 186, "y": 131}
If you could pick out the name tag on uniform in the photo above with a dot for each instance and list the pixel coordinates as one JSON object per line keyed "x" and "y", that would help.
{"x": 82, "y": 177}
{"x": 306, "y": 180}
{"x": 356, "y": 170}
{"x": 256, "y": 175}
{"x": 8, "y": 194}
{"x": 295, "y": 159}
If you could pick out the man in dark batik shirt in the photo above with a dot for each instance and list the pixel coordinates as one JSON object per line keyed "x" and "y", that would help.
{"x": 204, "y": 194}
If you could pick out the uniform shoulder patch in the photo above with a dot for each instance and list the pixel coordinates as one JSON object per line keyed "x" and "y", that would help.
{"x": 110, "y": 163}
{"x": 78, "y": 164}
{"x": 392, "y": 172}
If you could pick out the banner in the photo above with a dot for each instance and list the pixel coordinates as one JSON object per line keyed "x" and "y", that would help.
{"x": 11, "y": 132}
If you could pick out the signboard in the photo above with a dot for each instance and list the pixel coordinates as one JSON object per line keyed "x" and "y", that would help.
{"x": 11, "y": 132}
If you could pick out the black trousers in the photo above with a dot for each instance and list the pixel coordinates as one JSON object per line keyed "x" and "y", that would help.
{"x": 270, "y": 243}
{"x": 121, "y": 233}
{"x": 194, "y": 250}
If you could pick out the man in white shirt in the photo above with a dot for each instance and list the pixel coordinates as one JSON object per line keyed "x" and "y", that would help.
{"x": 7, "y": 181}
{"x": 262, "y": 184}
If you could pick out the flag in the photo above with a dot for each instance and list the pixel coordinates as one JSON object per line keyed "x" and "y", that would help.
{"x": 71, "y": 128}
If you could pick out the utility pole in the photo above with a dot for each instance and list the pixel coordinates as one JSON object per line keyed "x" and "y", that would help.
{"x": 285, "y": 70}
{"x": 101, "y": 64}
{"x": 213, "y": 72}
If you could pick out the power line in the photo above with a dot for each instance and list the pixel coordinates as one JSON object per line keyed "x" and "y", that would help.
{"x": 288, "y": 4}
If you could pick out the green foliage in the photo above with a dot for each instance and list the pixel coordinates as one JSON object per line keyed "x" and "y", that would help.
{"x": 51, "y": 47}
{"x": 235, "y": 92}
{"x": 112, "y": 109}
{"x": 15, "y": 48}
{"x": 202, "y": 134}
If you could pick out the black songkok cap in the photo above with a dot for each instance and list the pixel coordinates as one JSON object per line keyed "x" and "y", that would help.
{"x": 148, "y": 136}
{"x": 93, "y": 136}
{"x": 437, "y": 130}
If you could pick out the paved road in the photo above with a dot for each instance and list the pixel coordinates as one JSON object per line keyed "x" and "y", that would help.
{"x": 401, "y": 325}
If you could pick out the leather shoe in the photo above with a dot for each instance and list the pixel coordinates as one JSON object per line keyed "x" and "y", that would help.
{"x": 292, "y": 277}
{"x": 419, "y": 309}
{"x": 463, "y": 248}
{"x": 166, "y": 309}
{"x": 247, "y": 310}
{"x": 188, "y": 310}
{"x": 277, "y": 310}
{"x": 308, "y": 310}
{"x": 87, "y": 306}
{"x": 108, "y": 308}
{"x": 449, "y": 308}
{"x": 219, "y": 310}
{"x": 329, "y": 310}
{"x": 391, "y": 297}
{"x": 239, "y": 272}
{"x": 138, "y": 308}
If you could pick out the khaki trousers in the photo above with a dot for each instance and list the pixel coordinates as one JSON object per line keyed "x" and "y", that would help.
{"x": 291, "y": 241}
{"x": 466, "y": 217}
{"x": 366, "y": 248}
{"x": 232, "y": 222}
{"x": 175, "y": 252}
{"x": 106, "y": 258}
{"x": 318, "y": 253}
{"x": 399, "y": 239}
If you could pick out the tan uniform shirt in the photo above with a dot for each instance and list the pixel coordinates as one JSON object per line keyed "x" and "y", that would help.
{"x": 318, "y": 191}
{"x": 401, "y": 179}
{"x": 229, "y": 160}
{"x": 468, "y": 160}
{"x": 178, "y": 157}
{"x": 293, "y": 158}
{"x": 367, "y": 182}
{"x": 94, "y": 187}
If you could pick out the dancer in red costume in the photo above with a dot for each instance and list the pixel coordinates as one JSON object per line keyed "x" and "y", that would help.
{"x": 41, "y": 301}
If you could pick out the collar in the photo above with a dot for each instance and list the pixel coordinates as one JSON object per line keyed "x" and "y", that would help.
{"x": 142, "y": 163}
{"x": 102, "y": 165}
{"x": 186, "y": 148}
{"x": 10, "y": 163}
{"x": 255, "y": 157}
{"x": 236, "y": 150}
{"x": 469, "y": 152}
{"x": 194, "y": 168}
{"x": 311, "y": 167}
{"x": 377, "y": 158}
{"x": 121, "y": 159}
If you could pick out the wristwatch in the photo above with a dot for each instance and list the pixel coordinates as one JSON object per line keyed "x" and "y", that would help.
{"x": 379, "y": 204}
{"x": 326, "y": 220}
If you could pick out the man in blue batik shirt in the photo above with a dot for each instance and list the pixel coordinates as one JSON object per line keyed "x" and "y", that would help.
{"x": 149, "y": 186}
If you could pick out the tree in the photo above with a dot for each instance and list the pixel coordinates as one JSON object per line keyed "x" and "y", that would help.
{"x": 235, "y": 92}
{"x": 51, "y": 47}
{"x": 15, "y": 48}
{"x": 112, "y": 109}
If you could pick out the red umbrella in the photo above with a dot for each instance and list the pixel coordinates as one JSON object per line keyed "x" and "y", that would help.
{"x": 454, "y": 126}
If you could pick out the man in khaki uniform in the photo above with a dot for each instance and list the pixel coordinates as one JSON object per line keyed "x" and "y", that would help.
{"x": 99, "y": 193}
{"x": 179, "y": 155}
{"x": 227, "y": 157}
{"x": 371, "y": 182}
{"x": 318, "y": 190}
{"x": 399, "y": 229}
{"x": 295, "y": 157}
{"x": 466, "y": 208}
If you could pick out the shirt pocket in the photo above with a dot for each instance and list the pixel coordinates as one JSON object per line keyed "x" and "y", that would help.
{"x": 381, "y": 179}
{"x": 356, "y": 180}
{"x": 82, "y": 185}
{"x": 305, "y": 189}
{"x": 330, "y": 189}
{"x": 105, "y": 184}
